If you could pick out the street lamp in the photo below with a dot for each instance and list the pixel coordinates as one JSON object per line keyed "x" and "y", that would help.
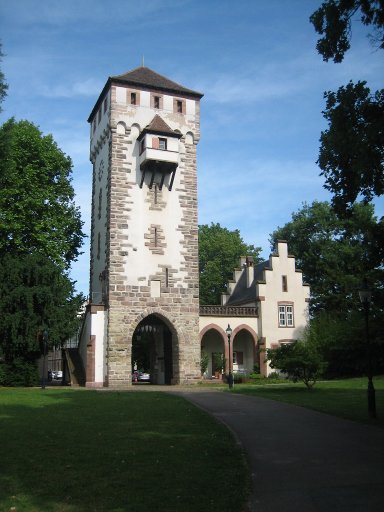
{"x": 45, "y": 344}
{"x": 228, "y": 330}
{"x": 365, "y": 298}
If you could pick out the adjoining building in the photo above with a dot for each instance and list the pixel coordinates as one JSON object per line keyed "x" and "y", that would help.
{"x": 144, "y": 276}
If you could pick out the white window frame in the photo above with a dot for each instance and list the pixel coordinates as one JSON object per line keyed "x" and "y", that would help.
{"x": 286, "y": 316}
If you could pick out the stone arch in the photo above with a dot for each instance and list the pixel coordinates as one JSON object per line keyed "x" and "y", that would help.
{"x": 135, "y": 131}
{"x": 244, "y": 348}
{"x": 164, "y": 352}
{"x": 121, "y": 128}
{"x": 189, "y": 138}
{"x": 213, "y": 341}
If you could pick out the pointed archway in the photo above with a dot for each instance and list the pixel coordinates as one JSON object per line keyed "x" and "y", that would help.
{"x": 152, "y": 351}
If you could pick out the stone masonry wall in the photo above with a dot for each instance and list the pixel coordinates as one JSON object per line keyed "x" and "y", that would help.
{"x": 178, "y": 305}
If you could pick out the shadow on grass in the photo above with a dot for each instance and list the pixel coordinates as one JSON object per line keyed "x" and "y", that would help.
{"x": 345, "y": 399}
{"x": 78, "y": 450}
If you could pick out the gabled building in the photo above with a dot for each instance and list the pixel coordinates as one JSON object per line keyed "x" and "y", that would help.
{"x": 144, "y": 279}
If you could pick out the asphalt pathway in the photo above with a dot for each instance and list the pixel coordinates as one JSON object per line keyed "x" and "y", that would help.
{"x": 301, "y": 460}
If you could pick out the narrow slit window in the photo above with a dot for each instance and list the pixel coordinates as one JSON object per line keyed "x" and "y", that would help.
{"x": 166, "y": 277}
{"x": 284, "y": 283}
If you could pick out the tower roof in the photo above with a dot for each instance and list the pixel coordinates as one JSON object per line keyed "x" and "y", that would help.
{"x": 159, "y": 126}
{"x": 148, "y": 79}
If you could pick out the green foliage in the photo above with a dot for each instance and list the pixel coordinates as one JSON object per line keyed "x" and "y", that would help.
{"x": 333, "y": 21}
{"x": 219, "y": 253}
{"x": 299, "y": 360}
{"x": 204, "y": 362}
{"x": 37, "y": 211}
{"x": 19, "y": 373}
{"x": 35, "y": 295}
{"x": 3, "y": 84}
{"x": 353, "y": 163}
{"x": 335, "y": 254}
{"x": 218, "y": 361}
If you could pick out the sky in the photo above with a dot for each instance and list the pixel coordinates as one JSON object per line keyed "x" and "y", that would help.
{"x": 255, "y": 61}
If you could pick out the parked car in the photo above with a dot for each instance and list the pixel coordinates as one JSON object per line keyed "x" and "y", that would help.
{"x": 139, "y": 376}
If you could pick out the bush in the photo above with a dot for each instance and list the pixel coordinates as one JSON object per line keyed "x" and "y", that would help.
{"x": 19, "y": 373}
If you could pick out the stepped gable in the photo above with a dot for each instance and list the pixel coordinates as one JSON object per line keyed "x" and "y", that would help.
{"x": 242, "y": 294}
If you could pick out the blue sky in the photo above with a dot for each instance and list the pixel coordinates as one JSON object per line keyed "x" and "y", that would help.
{"x": 254, "y": 60}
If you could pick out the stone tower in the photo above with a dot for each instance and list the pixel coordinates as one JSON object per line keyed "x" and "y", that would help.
{"x": 144, "y": 235}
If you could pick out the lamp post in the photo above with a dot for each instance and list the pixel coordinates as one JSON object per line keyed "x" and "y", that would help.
{"x": 365, "y": 298}
{"x": 45, "y": 343}
{"x": 228, "y": 330}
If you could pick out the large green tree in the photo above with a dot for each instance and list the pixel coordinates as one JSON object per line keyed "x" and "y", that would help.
{"x": 352, "y": 148}
{"x": 37, "y": 209}
{"x": 35, "y": 295}
{"x": 333, "y": 21}
{"x": 219, "y": 253}
{"x": 335, "y": 254}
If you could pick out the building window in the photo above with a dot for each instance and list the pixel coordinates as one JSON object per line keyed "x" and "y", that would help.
{"x": 94, "y": 125}
{"x": 162, "y": 143}
{"x": 98, "y": 245}
{"x": 133, "y": 98}
{"x": 179, "y": 106}
{"x": 284, "y": 283}
{"x": 99, "y": 117}
{"x": 156, "y": 101}
{"x": 155, "y": 237}
{"x": 166, "y": 277}
{"x": 156, "y": 193}
{"x": 100, "y": 201}
{"x": 286, "y": 315}
{"x": 105, "y": 105}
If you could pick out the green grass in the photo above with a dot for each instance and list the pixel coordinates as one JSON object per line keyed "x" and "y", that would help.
{"x": 344, "y": 398}
{"x": 64, "y": 450}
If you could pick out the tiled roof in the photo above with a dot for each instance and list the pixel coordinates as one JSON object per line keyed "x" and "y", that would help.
{"x": 147, "y": 77}
{"x": 242, "y": 294}
{"x": 160, "y": 127}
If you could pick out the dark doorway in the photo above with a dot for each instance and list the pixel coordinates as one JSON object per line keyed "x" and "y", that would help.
{"x": 152, "y": 352}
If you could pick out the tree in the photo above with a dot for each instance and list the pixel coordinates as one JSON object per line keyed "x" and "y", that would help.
{"x": 219, "y": 253}
{"x": 333, "y": 21}
{"x": 335, "y": 254}
{"x": 3, "y": 84}
{"x": 35, "y": 295}
{"x": 299, "y": 360}
{"x": 352, "y": 149}
{"x": 37, "y": 211}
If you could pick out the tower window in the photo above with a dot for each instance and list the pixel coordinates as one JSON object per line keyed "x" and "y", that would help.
{"x": 162, "y": 143}
{"x": 179, "y": 106}
{"x": 133, "y": 98}
{"x": 156, "y": 101}
{"x": 166, "y": 277}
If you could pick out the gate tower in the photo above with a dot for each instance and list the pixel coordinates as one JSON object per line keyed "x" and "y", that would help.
{"x": 144, "y": 233}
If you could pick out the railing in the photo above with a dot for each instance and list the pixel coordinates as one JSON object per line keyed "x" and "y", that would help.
{"x": 228, "y": 311}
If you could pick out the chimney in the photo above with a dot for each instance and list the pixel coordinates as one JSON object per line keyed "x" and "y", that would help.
{"x": 249, "y": 270}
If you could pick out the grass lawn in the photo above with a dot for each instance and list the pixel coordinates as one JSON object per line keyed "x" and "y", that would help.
{"x": 67, "y": 450}
{"x": 344, "y": 398}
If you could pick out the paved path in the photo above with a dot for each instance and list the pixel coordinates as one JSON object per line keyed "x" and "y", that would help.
{"x": 301, "y": 460}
